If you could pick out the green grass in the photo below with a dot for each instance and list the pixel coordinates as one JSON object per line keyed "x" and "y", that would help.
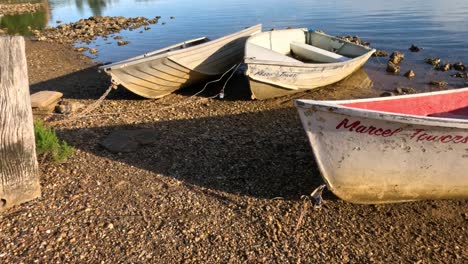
{"x": 48, "y": 145}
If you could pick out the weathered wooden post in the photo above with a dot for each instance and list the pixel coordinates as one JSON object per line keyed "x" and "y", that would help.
{"x": 19, "y": 173}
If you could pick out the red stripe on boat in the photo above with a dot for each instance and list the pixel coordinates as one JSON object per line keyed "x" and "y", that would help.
{"x": 452, "y": 105}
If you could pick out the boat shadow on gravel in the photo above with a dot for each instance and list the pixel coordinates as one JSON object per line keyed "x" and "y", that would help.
{"x": 261, "y": 154}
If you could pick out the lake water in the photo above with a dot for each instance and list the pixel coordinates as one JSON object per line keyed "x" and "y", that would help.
{"x": 440, "y": 27}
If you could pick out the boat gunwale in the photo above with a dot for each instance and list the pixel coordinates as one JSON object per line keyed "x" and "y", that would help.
{"x": 140, "y": 59}
{"x": 337, "y": 107}
{"x": 250, "y": 60}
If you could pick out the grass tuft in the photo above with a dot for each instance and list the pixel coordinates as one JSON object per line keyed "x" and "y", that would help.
{"x": 49, "y": 146}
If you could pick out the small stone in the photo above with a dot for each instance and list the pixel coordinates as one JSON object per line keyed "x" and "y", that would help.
{"x": 414, "y": 48}
{"x": 172, "y": 17}
{"x": 58, "y": 21}
{"x": 122, "y": 42}
{"x": 444, "y": 67}
{"x": 147, "y": 28}
{"x": 438, "y": 83}
{"x": 380, "y": 53}
{"x": 163, "y": 23}
{"x": 405, "y": 90}
{"x": 432, "y": 61}
{"x": 118, "y": 37}
{"x": 460, "y": 75}
{"x": 392, "y": 68}
{"x": 93, "y": 51}
{"x": 410, "y": 74}
{"x": 81, "y": 49}
{"x": 459, "y": 66}
{"x": 385, "y": 94}
{"x": 397, "y": 57}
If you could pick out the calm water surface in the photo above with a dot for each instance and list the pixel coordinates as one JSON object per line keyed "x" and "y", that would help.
{"x": 440, "y": 27}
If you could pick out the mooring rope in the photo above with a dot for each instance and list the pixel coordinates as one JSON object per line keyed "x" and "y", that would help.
{"x": 92, "y": 106}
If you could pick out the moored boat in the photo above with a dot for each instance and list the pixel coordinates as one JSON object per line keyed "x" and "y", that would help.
{"x": 282, "y": 62}
{"x": 161, "y": 72}
{"x": 391, "y": 149}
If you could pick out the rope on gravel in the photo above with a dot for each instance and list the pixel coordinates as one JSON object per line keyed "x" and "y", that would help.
{"x": 88, "y": 109}
{"x": 91, "y": 107}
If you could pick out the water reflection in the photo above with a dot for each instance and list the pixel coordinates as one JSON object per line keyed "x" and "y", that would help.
{"x": 23, "y": 23}
{"x": 96, "y": 6}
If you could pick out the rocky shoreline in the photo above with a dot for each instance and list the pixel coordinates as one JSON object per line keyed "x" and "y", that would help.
{"x": 86, "y": 30}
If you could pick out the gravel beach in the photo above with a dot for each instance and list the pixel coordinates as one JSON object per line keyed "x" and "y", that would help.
{"x": 220, "y": 182}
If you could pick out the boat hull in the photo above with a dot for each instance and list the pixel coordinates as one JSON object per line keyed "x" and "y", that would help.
{"x": 165, "y": 72}
{"x": 269, "y": 80}
{"x": 288, "y": 61}
{"x": 383, "y": 158}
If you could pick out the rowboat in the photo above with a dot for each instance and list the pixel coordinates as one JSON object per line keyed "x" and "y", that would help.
{"x": 282, "y": 62}
{"x": 161, "y": 72}
{"x": 391, "y": 149}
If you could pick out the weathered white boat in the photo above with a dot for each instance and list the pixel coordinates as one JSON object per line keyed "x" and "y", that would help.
{"x": 161, "y": 72}
{"x": 391, "y": 149}
{"x": 282, "y": 62}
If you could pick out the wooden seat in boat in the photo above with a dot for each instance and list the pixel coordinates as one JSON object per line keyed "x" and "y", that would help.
{"x": 312, "y": 53}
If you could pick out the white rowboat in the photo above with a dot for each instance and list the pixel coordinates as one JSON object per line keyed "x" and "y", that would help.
{"x": 161, "y": 72}
{"x": 282, "y": 62}
{"x": 391, "y": 149}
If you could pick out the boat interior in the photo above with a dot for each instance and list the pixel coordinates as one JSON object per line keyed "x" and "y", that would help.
{"x": 447, "y": 105}
{"x": 178, "y": 46}
{"x": 301, "y": 46}
{"x": 183, "y": 45}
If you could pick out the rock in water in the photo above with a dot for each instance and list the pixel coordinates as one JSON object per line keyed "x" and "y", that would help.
{"x": 432, "y": 61}
{"x": 122, "y": 42}
{"x": 380, "y": 53}
{"x": 392, "y": 67}
{"x": 459, "y": 66}
{"x": 410, "y": 74}
{"x": 397, "y": 57}
{"x": 414, "y": 48}
{"x": 438, "y": 83}
{"x": 444, "y": 67}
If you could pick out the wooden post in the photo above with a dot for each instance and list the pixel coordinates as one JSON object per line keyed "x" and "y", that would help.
{"x": 19, "y": 173}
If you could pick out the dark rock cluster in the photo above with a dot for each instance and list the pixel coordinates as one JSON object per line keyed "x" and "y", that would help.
{"x": 394, "y": 61}
{"x": 438, "y": 65}
{"x": 399, "y": 91}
